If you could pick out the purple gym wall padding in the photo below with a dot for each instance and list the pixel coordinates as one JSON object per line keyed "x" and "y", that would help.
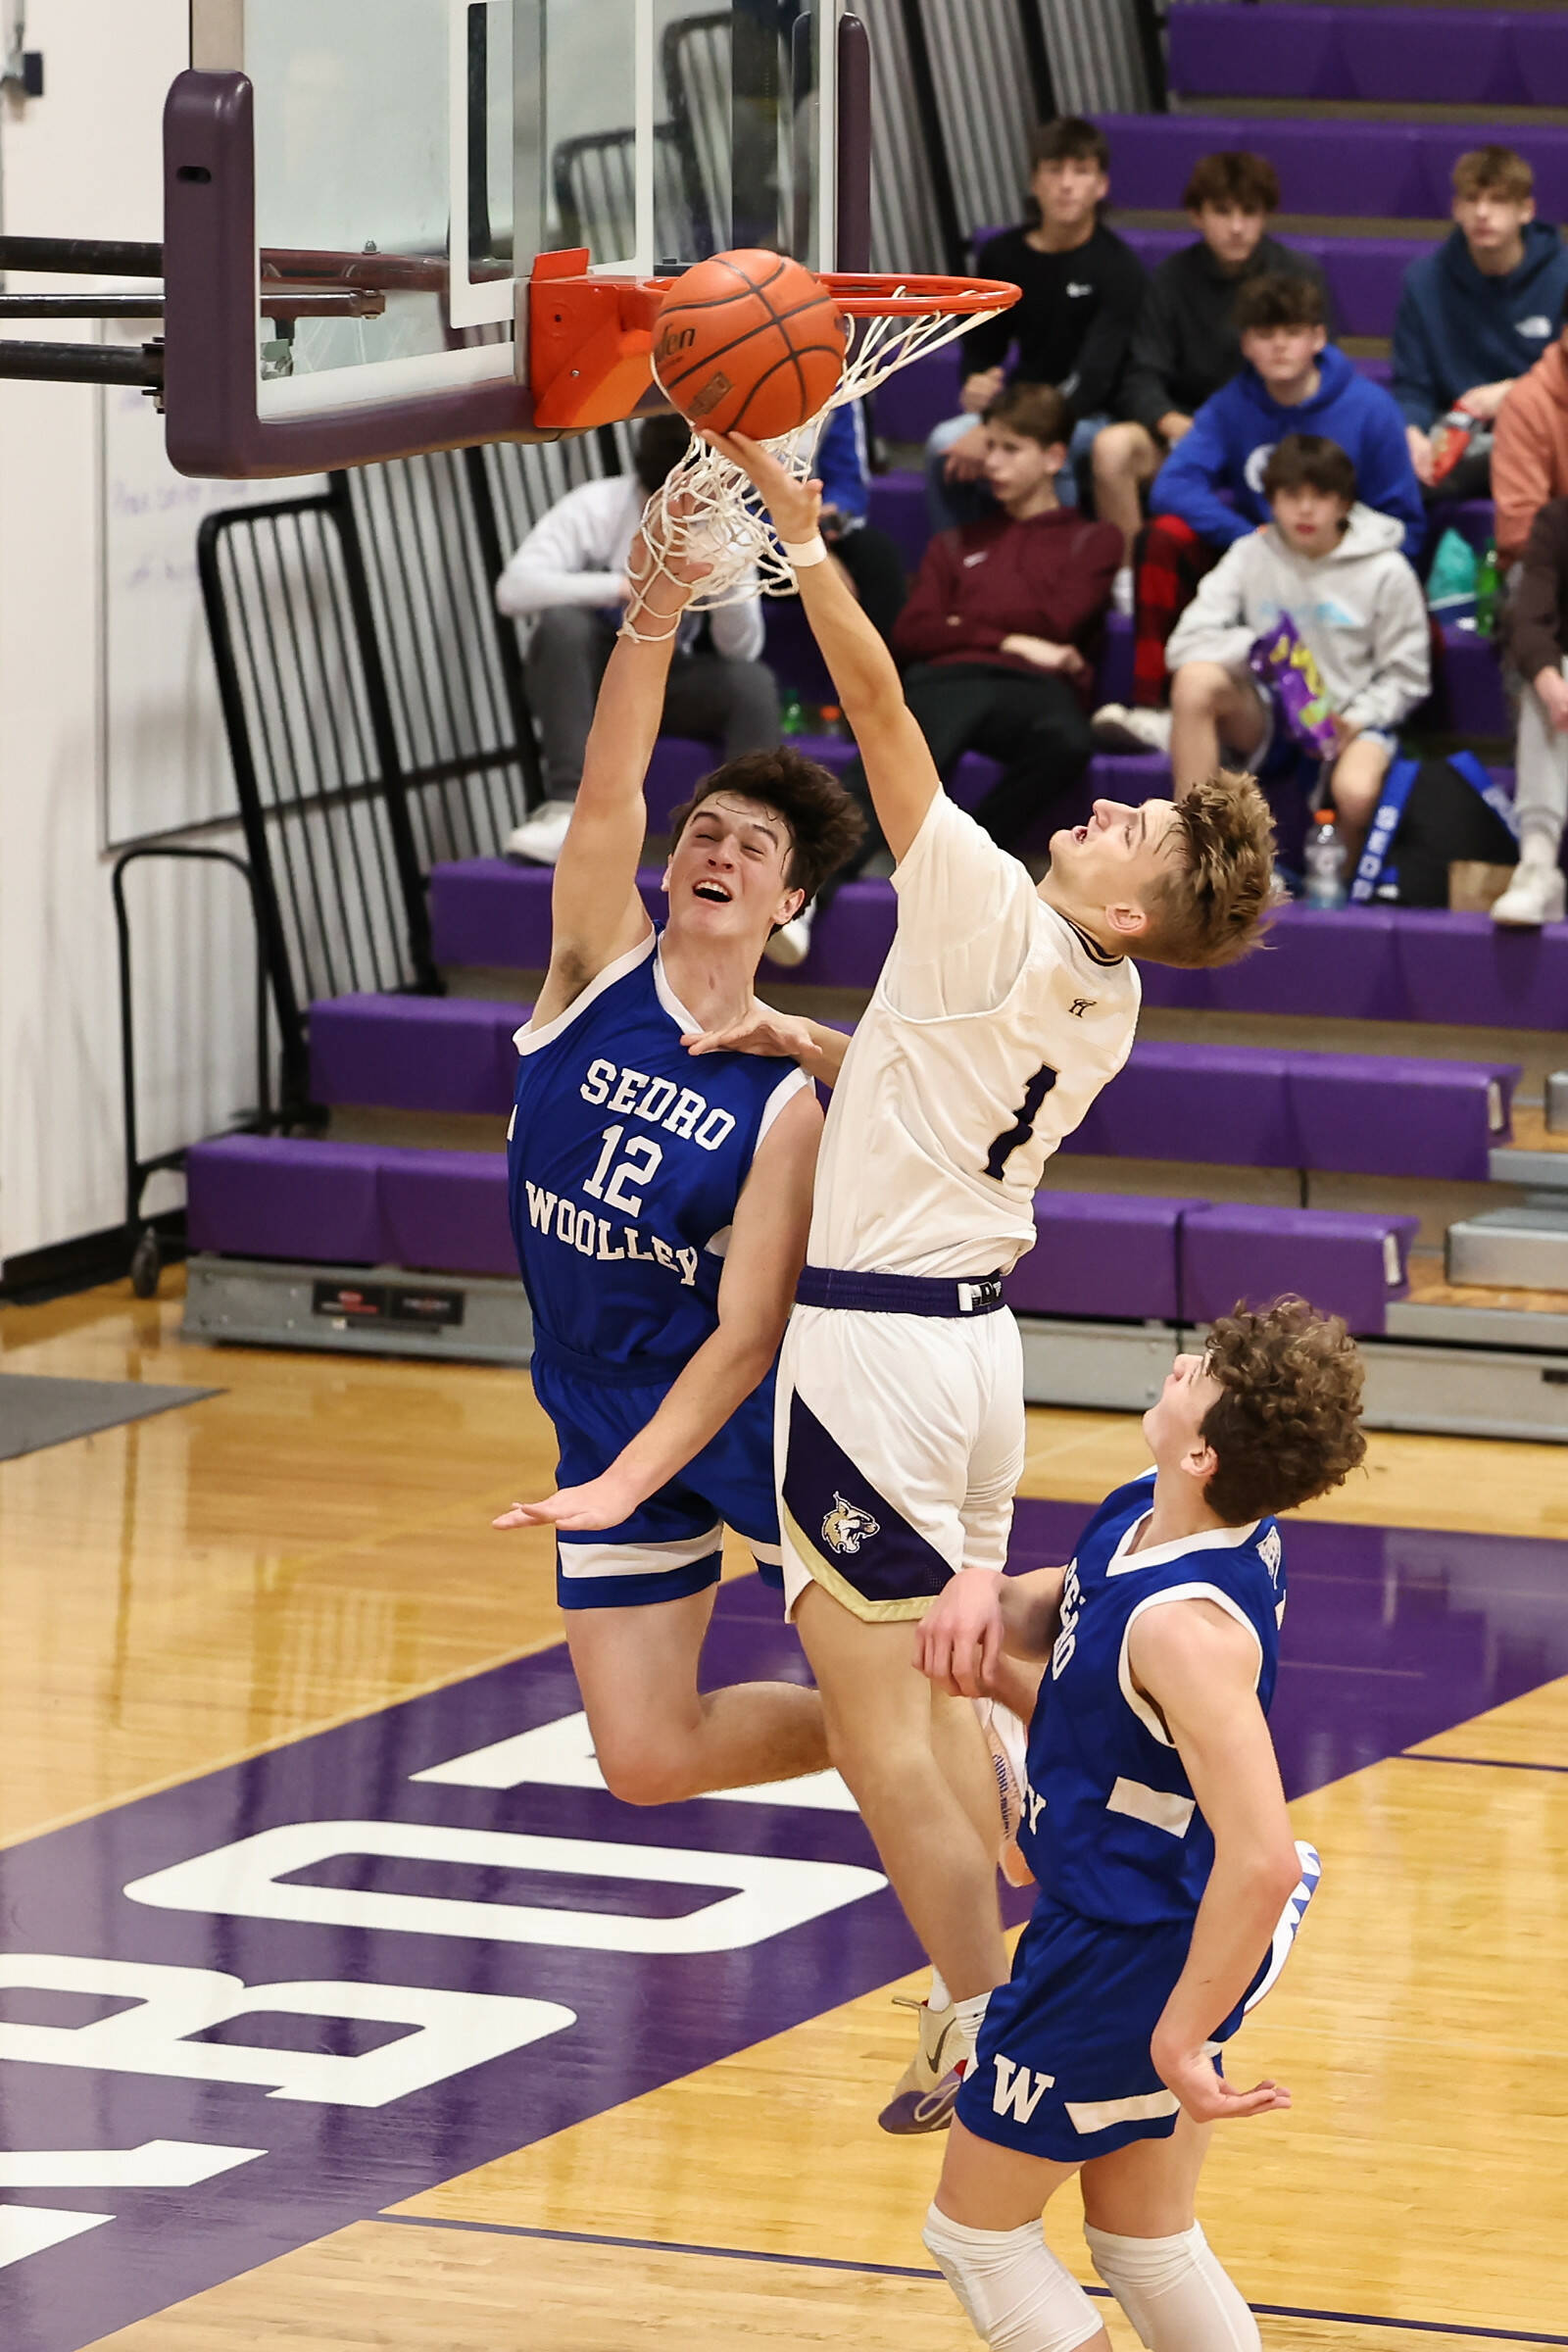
{"x": 445, "y": 1213}
{"x": 1101, "y": 1255}
{"x": 273, "y": 1196}
{"x": 1349, "y": 1265}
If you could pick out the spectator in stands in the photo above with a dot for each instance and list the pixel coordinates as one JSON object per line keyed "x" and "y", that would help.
{"x": 1210, "y": 491}
{"x": 568, "y": 577}
{"x": 1473, "y": 317}
{"x": 1536, "y": 631}
{"x": 1186, "y": 344}
{"x": 1334, "y": 566}
{"x": 1003, "y": 628}
{"x": 1081, "y": 290}
{"x": 1530, "y": 450}
{"x": 868, "y": 558}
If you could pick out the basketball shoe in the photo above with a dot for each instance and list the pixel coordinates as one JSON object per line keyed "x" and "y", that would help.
{"x": 926, "y": 2090}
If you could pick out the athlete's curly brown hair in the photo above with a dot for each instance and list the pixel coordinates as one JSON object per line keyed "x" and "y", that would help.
{"x": 1209, "y": 904}
{"x": 1289, "y": 1424}
{"x": 824, "y": 822}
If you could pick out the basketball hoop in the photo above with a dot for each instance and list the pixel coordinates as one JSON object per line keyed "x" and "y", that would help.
{"x": 707, "y": 510}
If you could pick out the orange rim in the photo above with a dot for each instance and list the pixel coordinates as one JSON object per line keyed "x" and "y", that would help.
{"x": 870, "y": 294}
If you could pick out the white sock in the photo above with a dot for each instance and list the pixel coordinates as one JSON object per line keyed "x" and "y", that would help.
{"x": 1175, "y": 2291}
{"x": 970, "y": 2015}
{"x": 939, "y": 1996}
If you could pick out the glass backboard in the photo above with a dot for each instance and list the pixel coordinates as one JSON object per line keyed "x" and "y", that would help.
{"x": 412, "y": 157}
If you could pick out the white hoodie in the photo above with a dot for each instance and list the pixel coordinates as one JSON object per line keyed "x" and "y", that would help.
{"x": 1360, "y": 608}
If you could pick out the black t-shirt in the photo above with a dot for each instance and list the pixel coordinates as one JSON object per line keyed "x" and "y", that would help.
{"x": 1073, "y": 322}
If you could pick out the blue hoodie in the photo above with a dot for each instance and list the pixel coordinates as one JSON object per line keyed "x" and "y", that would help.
{"x": 842, "y": 463}
{"x": 1232, "y": 435}
{"x": 1456, "y": 327}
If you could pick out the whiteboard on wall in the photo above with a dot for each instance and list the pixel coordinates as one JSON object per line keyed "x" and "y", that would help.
{"x": 166, "y": 763}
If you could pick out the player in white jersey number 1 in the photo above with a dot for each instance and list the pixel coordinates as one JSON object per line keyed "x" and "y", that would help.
{"x": 1002, "y": 1009}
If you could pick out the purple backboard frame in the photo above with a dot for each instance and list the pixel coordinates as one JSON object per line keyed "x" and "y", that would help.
{"x": 212, "y": 426}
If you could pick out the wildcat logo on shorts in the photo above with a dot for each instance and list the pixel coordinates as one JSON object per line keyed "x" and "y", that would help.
{"x": 847, "y": 1527}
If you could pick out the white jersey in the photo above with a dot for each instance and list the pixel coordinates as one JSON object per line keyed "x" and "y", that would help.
{"x": 995, "y": 1024}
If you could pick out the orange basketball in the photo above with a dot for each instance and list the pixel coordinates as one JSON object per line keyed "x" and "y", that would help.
{"x": 749, "y": 342}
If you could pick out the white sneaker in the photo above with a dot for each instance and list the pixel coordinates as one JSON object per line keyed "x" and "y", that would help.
{"x": 928, "y": 2086}
{"x": 1535, "y": 895}
{"x": 541, "y": 836}
{"x": 1121, "y": 592}
{"x": 1151, "y": 728}
{"x": 791, "y": 945}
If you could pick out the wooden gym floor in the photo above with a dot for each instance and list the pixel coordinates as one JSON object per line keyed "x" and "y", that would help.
{"x": 275, "y": 1605}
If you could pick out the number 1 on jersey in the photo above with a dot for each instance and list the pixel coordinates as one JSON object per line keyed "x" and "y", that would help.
{"x": 1012, "y": 1138}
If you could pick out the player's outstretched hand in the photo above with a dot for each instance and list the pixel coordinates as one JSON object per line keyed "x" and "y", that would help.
{"x": 958, "y": 1641}
{"x": 762, "y": 1031}
{"x": 1204, "y": 2094}
{"x": 795, "y": 506}
{"x": 602, "y": 1503}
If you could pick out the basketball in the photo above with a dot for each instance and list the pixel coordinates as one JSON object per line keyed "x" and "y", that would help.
{"x": 749, "y": 342}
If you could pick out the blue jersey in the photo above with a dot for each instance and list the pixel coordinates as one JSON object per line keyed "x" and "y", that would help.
{"x": 1110, "y": 1827}
{"x": 625, "y": 1160}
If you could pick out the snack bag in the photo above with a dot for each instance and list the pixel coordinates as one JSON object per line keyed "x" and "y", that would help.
{"x": 1452, "y": 438}
{"x": 1284, "y": 663}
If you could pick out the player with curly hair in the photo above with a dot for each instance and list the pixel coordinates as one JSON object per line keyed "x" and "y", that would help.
{"x": 1155, "y": 1824}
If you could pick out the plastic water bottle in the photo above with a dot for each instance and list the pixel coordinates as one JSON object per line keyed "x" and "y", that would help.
{"x": 1324, "y": 861}
{"x": 1489, "y": 590}
{"x": 792, "y": 712}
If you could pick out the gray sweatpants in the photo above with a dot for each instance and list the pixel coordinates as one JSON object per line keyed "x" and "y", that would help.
{"x": 1540, "y": 780}
{"x": 733, "y": 705}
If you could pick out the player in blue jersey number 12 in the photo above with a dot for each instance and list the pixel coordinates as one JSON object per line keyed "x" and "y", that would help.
{"x": 660, "y": 1204}
{"x": 1155, "y": 1824}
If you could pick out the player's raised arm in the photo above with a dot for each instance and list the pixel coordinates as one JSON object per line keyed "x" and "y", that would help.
{"x": 1199, "y": 1668}
{"x": 899, "y": 768}
{"x": 596, "y": 912}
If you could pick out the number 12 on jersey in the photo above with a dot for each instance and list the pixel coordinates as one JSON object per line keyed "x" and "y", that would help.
{"x": 639, "y": 1163}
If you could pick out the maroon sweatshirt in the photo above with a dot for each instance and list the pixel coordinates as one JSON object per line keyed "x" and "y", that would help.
{"x": 1048, "y": 577}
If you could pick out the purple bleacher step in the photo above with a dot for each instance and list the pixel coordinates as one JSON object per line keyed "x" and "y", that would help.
{"x": 1346, "y": 1264}
{"x": 1426, "y": 56}
{"x": 1368, "y": 170}
{"x": 322, "y": 1204}
{"x": 919, "y": 396}
{"x": 445, "y": 1213}
{"x": 1245, "y": 1106}
{"x": 1110, "y": 1254}
{"x": 432, "y": 1053}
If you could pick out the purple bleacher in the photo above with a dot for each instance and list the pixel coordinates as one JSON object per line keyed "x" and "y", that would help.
{"x": 1348, "y": 1264}
{"x": 1385, "y": 1115}
{"x": 1204, "y": 1102}
{"x": 1364, "y": 274}
{"x": 917, "y": 397}
{"x": 1110, "y": 1254}
{"x": 1403, "y": 56}
{"x": 435, "y": 1053}
{"x": 1369, "y": 171}
{"x": 445, "y": 1213}
{"x": 897, "y": 506}
{"x": 1467, "y": 690}
{"x": 272, "y": 1196}
{"x": 1502, "y": 979}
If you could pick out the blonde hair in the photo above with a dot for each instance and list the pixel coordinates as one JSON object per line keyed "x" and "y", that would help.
{"x": 1209, "y": 904}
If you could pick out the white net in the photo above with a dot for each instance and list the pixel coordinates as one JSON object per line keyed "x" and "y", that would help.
{"x": 708, "y": 511}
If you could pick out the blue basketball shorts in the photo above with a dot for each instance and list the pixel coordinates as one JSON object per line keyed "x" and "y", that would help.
{"x": 1062, "y": 2069}
{"x": 671, "y": 1545}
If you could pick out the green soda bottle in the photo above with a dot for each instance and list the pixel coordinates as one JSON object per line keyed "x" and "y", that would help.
{"x": 791, "y": 712}
{"x": 1489, "y": 590}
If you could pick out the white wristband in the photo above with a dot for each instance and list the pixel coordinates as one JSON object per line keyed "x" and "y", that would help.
{"x": 801, "y": 558}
